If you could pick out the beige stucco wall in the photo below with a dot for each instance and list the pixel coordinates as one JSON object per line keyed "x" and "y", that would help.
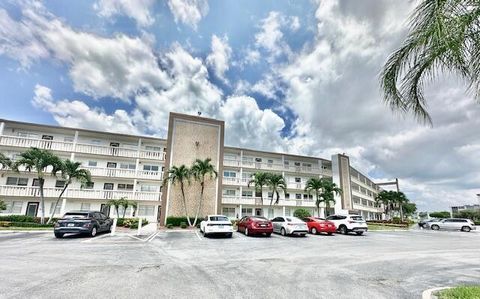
{"x": 345, "y": 183}
{"x": 190, "y": 140}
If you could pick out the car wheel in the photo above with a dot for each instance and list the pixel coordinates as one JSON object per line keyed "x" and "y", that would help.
{"x": 303, "y": 235}
{"x": 435, "y": 227}
{"x": 109, "y": 230}
{"x": 329, "y": 234}
{"x": 313, "y": 230}
{"x": 466, "y": 229}
{"x": 343, "y": 229}
{"x": 93, "y": 232}
{"x": 229, "y": 235}
{"x": 283, "y": 232}
{"x": 246, "y": 231}
{"x": 359, "y": 233}
{"x": 59, "y": 235}
{"x": 269, "y": 234}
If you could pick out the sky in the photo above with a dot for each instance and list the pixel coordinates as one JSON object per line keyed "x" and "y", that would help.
{"x": 289, "y": 76}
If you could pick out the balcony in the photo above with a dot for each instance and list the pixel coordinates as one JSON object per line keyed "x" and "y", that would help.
{"x": 124, "y": 173}
{"x": 257, "y": 201}
{"x": 93, "y": 149}
{"x": 24, "y": 191}
{"x": 276, "y": 167}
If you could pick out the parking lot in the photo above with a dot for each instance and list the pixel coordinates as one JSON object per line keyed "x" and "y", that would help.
{"x": 172, "y": 264}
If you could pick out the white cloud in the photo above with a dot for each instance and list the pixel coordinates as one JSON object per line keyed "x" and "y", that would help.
{"x": 139, "y": 10}
{"x": 188, "y": 12}
{"x": 294, "y": 23}
{"x": 78, "y": 115}
{"x": 270, "y": 36}
{"x": 219, "y": 58}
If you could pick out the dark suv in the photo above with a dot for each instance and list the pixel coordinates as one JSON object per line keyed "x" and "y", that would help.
{"x": 83, "y": 222}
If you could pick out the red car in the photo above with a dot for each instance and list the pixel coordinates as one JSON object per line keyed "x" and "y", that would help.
{"x": 320, "y": 225}
{"x": 255, "y": 225}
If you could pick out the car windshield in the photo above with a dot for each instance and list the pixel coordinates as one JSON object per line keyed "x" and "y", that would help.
{"x": 76, "y": 215}
{"x": 293, "y": 219}
{"x": 357, "y": 218}
{"x": 218, "y": 218}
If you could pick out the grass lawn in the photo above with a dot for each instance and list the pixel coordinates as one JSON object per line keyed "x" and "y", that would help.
{"x": 375, "y": 227}
{"x": 462, "y": 292}
{"x": 25, "y": 228}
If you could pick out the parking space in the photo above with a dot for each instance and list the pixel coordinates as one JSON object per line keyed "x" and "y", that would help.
{"x": 180, "y": 263}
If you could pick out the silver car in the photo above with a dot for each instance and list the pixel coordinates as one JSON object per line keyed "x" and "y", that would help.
{"x": 462, "y": 224}
{"x": 289, "y": 226}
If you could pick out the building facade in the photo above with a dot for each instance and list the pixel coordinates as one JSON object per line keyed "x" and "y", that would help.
{"x": 134, "y": 167}
{"x": 456, "y": 209}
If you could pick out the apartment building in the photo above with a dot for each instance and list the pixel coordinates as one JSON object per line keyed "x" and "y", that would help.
{"x": 133, "y": 167}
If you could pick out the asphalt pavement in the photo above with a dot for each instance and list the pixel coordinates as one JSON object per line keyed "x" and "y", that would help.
{"x": 180, "y": 264}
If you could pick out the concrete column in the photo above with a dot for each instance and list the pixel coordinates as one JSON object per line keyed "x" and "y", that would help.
{"x": 283, "y": 211}
{"x": 240, "y": 211}
{"x": 63, "y": 206}
{"x": 2, "y": 127}
{"x": 137, "y": 165}
{"x": 75, "y": 140}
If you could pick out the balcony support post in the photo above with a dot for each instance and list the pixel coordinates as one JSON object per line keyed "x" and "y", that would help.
{"x": 75, "y": 140}
{"x": 2, "y": 127}
{"x": 63, "y": 206}
{"x": 240, "y": 212}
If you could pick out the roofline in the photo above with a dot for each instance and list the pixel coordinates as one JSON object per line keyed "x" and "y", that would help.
{"x": 276, "y": 153}
{"x": 79, "y": 129}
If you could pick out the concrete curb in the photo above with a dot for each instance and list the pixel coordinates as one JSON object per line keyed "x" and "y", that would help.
{"x": 428, "y": 294}
{"x": 26, "y": 231}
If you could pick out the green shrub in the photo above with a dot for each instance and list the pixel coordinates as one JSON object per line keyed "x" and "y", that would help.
{"x": 23, "y": 218}
{"x": 120, "y": 221}
{"x": 302, "y": 213}
{"x": 169, "y": 225}
{"x": 183, "y": 225}
{"x": 396, "y": 220}
{"x": 24, "y": 224}
{"x": 443, "y": 214}
{"x": 176, "y": 221}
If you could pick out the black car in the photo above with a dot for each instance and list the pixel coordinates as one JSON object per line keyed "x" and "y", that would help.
{"x": 83, "y": 222}
{"x": 426, "y": 222}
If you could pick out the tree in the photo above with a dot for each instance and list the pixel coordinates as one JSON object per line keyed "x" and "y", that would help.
{"x": 391, "y": 200}
{"x": 315, "y": 185}
{"x": 116, "y": 203}
{"x": 5, "y": 161}
{"x": 276, "y": 182}
{"x": 39, "y": 160}
{"x": 409, "y": 208}
{"x": 301, "y": 213}
{"x": 180, "y": 175}
{"x": 125, "y": 203}
{"x": 3, "y": 205}
{"x": 329, "y": 189}
{"x": 442, "y": 214}
{"x": 469, "y": 214}
{"x": 444, "y": 36}
{"x": 202, "y": 169}
{"x": 400, "y": 199}
{"x": 259, "y": 180}
{"x": 71, "y": 171}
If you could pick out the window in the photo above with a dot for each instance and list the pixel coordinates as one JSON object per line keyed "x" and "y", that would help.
{"x": 14, "y": 207}
{"x": 92, "y": 163}
{"x": 127, "y": 166}
{"x": 68, "y": 139}
{"x": 14, "y": 181}
{"x": 89, "y": 185}
{"x": 307, "y": 196}
{"x": 59, "y": 184}
{"x": 125, "y": 187}
{"x": 270, "y": 213}
{"x": 258, "y": 159}
{"x": 229, "y": 192}
{"x": 108, "y": 186}
{"x": 270, "y": 161}
{"x": 111, "y": 165}
{"x": 35, "y": 182}
{"x": 57, "y": 208}
{"x": 286, "y": 163}
{"x": 287, "y": 195}
{"x": 246, "y": 193}
{"x": 307, "y": 165}
{"x": 229, "y": 212}
{"x": 230, "y": 174}
{"x": 150, "y": 167}
{"x": 247, "y": 211}
{"x": 146, "y": 210}
{"x": 85, "y": 206}
{"x": 287, "y": 212}
{"x": 153, "y": 148}
{"x": 297, "y": 163}
{"x": 27, "y": 135}
{"x": 270, "y": 194}
{"x": 47, "y": 137}
{"x": 298, "y": 196}
{"x": 298, "y": 180}
{"x": 364, "y": 202}
{"x": 148, "y": 188}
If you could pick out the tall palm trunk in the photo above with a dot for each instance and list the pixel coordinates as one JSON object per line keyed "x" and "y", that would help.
{"x": 401, "y": 212}
{"x": 42, "y": 201}
{"x": 124, "y": 211}
{"x": 185, "y": 203}
{"x": 327, "y": 207}
{"x": 56, "y": 203}
{"x": 202, "y": 184}
{"x": 318, "y": 206}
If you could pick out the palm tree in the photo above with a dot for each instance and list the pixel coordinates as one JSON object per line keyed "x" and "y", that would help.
{"x": 444, "y": 36}
{"x": 200, "y": 170}
{"x": 116, "y": 203}
{"x": 259, "y": 180}
{"x": 125, "y": 203}
{"x": 387, "y": 199}
{"x": 276, "y": 182}
{"x": 39, "y": 160}
{"x": 5, "y": 161}
{"x": 3, "y": 206}
{"x": 400, "y": 199}
{"x": 329, "y": 189}
{"x": 180, "y": 175}
{"x": 71, "y": 172}
{"x": 315, "y": 185}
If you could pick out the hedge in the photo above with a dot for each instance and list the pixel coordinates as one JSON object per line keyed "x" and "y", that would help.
{"x": 177, "y": 221}
{"x": 130, "y": 222}
{"x": 24, "y": 224}
{"x": 23, "y": 218}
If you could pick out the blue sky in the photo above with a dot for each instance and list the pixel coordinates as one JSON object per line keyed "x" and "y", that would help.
{"x": 290, "y": 76}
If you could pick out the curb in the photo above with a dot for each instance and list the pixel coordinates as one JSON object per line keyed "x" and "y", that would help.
{"x": 428, "y": 294}
{"x": 26, "y": 231}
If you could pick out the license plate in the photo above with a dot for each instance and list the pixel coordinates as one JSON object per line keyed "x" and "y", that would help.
{"x": 263, "y": 225}
{"x": 71, "y": 224}
{"x": 299, "y": 227}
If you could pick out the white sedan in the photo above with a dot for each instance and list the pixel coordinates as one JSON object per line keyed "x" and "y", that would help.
{"x": 216, "y": 224}
{"x": 289, "y": 226}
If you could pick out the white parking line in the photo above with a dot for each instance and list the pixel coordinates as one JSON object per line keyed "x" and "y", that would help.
{"x": 152, "y": 236}
{"x": 198, "y": 236}
{"x": 96, "y": 238}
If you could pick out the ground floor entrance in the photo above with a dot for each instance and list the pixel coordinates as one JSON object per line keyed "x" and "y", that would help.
{"x": 32, "y": 209}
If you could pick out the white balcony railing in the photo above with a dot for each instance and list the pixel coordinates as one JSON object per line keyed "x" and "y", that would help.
{"x": 80, "y": 148}
{"x": 124, "y": 173}
{"x": 242, "y": 200}
{"x": 25, "y": 191}
{"x": 275, "y": 166}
